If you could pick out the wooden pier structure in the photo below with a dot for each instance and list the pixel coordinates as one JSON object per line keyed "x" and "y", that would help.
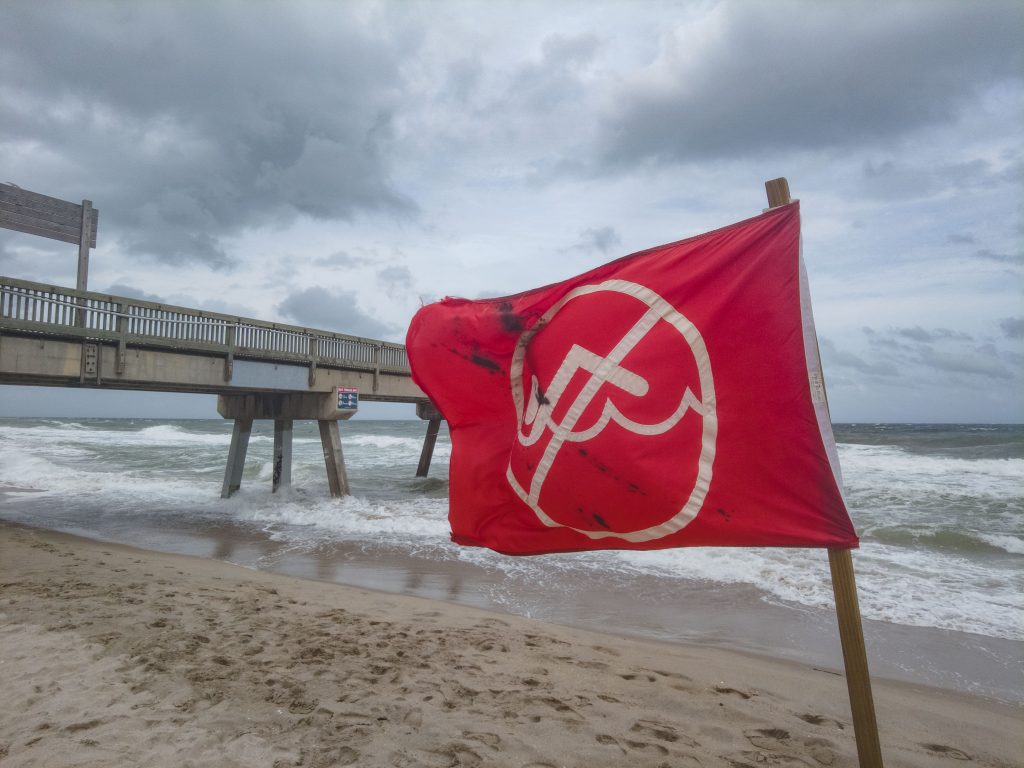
{"x": 60, "y": 337}
{"x": 63, "y": 337}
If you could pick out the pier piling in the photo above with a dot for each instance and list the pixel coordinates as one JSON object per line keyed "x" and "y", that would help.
{"x": 236, "y": 457}
{"x": 334, "y": 459}
{"x": 282, "y": 454}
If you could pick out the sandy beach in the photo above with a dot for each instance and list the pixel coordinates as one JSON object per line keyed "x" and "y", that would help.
{"x": 117, "y": 656}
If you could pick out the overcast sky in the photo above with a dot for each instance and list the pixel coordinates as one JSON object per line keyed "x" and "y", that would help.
{"x": 336, "y": 164}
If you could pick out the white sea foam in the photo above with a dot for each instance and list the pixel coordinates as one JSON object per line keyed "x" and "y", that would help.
{"x": 939, "y": 533}
{"x": 1012, "y": 544}
{"x": 407, "y": 446}
{"x": 875, "y": 468}
{"x": 50, "y": 472}
{"x": 355, "y": 517}
{"x": 158, "y": 435}
{"x": 167, "y": 434}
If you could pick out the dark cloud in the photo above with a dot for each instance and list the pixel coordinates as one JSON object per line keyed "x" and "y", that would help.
{"x": 1003, "y": 258}
{"x": 982, "y": 362}
{"x": 885, "y": 341}
{"x": 597, "y": 239}
{"x": 545, "y": 84}
{"x": 520, "y": 110}
{"x": 131, "y": 292}
{"x": 752, "y": 79}
{"x": 937, "y": 350}
{"x": 1013, "y": 327}
{"x": 332, "y": 311}
{"x": 39, "y": 259}
{"x": 462, "y": 80}
{"x": 10, "y": 263}
{"x": 917, "y": 333}
{"x": 961, "y": 238}
{"x": 896, "y": 180}
{"x": 832, "y": 356}
{"x": 394, "y": 279}
{"x": 182, "y": 140}
{"x": 341, "y": 259}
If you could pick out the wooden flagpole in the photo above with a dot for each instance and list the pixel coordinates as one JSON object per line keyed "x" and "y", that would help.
{"x": 851, "y": 631}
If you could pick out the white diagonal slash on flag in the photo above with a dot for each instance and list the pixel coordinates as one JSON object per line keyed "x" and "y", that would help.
{"x": 536, "y": 412}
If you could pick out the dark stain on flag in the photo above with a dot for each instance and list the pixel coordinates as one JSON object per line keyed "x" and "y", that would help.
{"x": 597, "y": 464}
{"x": 604, "y": 469}
{"x": 510, "y": 321}
{"x": 477, "y": 359}
{"x": 601, "y": 522}
{"x": 723, "y": 513}
{"x": 484, "y": 362}
{"x": 541, "y": 399}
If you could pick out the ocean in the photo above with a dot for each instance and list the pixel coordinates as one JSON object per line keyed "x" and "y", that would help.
{"x": 940, "y": 511}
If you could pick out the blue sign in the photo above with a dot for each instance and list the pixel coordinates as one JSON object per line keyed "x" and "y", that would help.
{"x": 348, "y": 399}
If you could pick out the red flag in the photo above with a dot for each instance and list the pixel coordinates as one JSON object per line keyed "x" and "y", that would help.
{"x": 670, "y": 398}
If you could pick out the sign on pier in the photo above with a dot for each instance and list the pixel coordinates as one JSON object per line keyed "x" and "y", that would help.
{"x": 37, "y": 214}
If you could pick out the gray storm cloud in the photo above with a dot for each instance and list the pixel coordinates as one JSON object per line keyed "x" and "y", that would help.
{"x": 756, "y": 77}
{"x": 200, "y": 126}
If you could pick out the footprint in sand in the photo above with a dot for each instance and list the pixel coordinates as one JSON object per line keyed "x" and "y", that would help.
{"x": 85, "y": 726}
{"x": 459, "y": 755}
{"x": 609, "y": 741}
{"x": 643, "y": 746}
{"x": 632, "y": 676}
{"x": 768, "y": 759}
{"x": 491, "y": 740}
{"x": 951, "y": 752}
{"x": 813, "y": 719}
{"x": 776, "y": 742}
{"x": 655, "y": 730}
{"x": 724, "y": 689}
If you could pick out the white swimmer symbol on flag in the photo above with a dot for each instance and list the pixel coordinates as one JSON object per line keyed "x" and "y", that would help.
{"x": 535, "y": 411}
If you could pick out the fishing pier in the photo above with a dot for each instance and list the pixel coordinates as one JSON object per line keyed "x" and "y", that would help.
{"x": 62, "y": 337}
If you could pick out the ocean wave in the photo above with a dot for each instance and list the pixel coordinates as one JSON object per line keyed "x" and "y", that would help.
{"x": 409, "y": 446}
{"x": 156, "y": 436}
{"x": 921, "y": 589}
{"x": 872, "y": 467}
{"x": 66, "y": 479}
{"x": 169, "y": 434}
{"x": 894, "y": 586}
{"x": 950, "y": 540}
{"x": 1012, "y": 544}
{"x": 939, "y": 533}
{"x": 354, "y": 516}
{"x": 893, "y": 461}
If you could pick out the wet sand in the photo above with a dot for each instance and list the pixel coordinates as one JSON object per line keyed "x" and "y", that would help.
{"x": 117, "y": 656}
{"x": 731, "y": 616}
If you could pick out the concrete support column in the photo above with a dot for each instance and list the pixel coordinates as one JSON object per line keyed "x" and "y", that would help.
{"x": 236, "y": 457}
{"x": 428, "y": 447}
{"x": 282, "y": 453}
{"x": 337, "y": 477}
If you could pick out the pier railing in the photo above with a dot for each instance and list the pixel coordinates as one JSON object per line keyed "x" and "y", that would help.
{"x": 29, "y": 307}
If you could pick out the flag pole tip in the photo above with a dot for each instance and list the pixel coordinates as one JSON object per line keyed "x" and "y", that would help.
{"x": 778, "y": 192}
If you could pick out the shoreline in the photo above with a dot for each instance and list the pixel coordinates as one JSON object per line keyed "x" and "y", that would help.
{"x": 119, "y": 655}
{"x": 736, "y": 617}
